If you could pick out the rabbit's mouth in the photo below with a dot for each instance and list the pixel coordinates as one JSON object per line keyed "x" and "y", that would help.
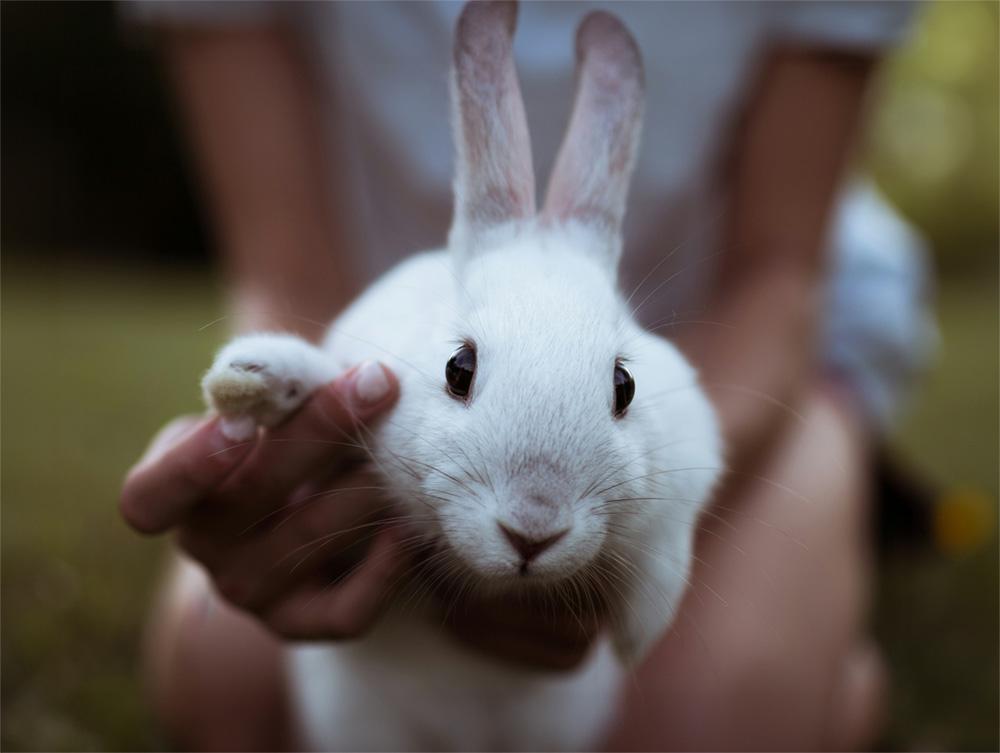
{"x": 453, "y": 582}
{"x": 441, "y": 569}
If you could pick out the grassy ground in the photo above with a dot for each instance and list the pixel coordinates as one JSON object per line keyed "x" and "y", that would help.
{"x": 937, "y": 616}
{"x": 93, "y": 362}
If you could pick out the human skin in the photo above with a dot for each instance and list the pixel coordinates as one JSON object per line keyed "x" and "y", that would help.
{"x": 721, "y": 678}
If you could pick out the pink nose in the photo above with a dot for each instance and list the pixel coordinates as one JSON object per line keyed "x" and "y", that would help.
{"x": 529, "y": 547}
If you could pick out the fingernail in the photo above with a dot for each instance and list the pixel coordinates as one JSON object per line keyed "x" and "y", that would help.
{"x": 226, "y": 435}
{"x": 370, "y": 383}
{"x": 238, "y": 428}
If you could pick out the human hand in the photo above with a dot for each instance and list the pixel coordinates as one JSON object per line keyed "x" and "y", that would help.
{"x": 250, "y": 512}
{"x": 539, "y": 632}
{"x": 280, "y": 523}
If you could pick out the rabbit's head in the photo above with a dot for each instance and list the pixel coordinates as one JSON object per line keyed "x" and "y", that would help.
{"x": 559, "y": 429}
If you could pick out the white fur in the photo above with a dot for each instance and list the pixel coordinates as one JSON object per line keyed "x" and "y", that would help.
{"x": 537, "y": 447}
{"x": 549, "y": 325}
{"x": 407, "y": 687}
{"x": 261, "y": 378}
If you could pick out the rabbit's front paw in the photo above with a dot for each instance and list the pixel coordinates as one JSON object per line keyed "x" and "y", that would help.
{"x": 261, "y": 379}
{"x": 249, "y": 391}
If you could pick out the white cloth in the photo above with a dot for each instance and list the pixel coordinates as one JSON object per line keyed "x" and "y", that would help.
{"x": 385, "y": 67}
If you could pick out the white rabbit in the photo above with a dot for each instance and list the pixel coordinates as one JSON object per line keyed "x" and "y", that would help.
{"x": 542, "y": 440}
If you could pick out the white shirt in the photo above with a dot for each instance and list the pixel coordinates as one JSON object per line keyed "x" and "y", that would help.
{"x": 384, "y": 66}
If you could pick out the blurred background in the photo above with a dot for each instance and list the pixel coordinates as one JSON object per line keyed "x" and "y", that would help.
{"x": 107, "y": 287}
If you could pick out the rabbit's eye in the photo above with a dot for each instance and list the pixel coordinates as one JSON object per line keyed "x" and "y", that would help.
{"x": 624, "y": 389}
{"x": 460, "y": 369}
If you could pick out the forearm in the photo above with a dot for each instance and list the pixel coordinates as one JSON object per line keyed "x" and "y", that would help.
{"x": 758, "y": 360}
{"x": 254, "y": 119}
{"x": 787, "y": 166}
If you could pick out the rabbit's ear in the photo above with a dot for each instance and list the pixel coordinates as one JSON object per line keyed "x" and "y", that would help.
{"x": 590, "y": 181}
{"x": 494, "y": 180}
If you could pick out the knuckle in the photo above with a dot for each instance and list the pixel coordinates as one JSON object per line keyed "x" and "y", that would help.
{"x": 130, "y": 505}
{"x": 293, "y": 624}
{"x": 188, "y": 542}
{"x": 347, "y": 623}
{"x": 136, "y": 514}
{"x": 343, "y": 625}
{"x": 201, "y": 471}
{"x": 200, "y": 547}
{"x": 235, "y": 588}
{"x": 283, "y": 627}
{"x": 314, "y": 536}
{"x": 329, "y": 411}
{"x": 558, "y": 659}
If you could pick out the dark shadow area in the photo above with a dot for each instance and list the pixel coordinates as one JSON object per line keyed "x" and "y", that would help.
{"x": 91, "y": 159}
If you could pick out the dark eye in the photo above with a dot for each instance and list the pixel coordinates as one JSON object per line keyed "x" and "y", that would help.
{"x": 460, "y": 369}
{"x": 624, "y": 389}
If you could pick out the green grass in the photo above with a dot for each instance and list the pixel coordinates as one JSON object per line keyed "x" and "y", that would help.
{"x": 93, "y": 363}
{"x": 94, "y": 360}
{"x": 937, "y": 616}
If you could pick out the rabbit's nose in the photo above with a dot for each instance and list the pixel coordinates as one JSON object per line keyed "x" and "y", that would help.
{"x": 530, "y": 547}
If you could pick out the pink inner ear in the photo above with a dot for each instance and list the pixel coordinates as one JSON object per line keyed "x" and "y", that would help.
{"x": 590, "y": 179}
{"x": 494, "y": 177}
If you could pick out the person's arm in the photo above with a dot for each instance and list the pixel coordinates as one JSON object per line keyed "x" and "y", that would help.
{"x": 254, "y": 115}
{"x": 788, "y": 159}
{"x": 787, "y": 163}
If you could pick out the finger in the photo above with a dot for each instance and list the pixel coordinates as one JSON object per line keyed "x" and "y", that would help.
{"x": 527, "y": 632}
{"x": 350, "y": 607}
{"x": 181, "y": 467}
{"x": 323, "y": 434}
{"x": 321, "y": 535}
{"x": 169, "y": 435}
{"x": 528, "y": 649}
{"x": 527, "y": 643}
